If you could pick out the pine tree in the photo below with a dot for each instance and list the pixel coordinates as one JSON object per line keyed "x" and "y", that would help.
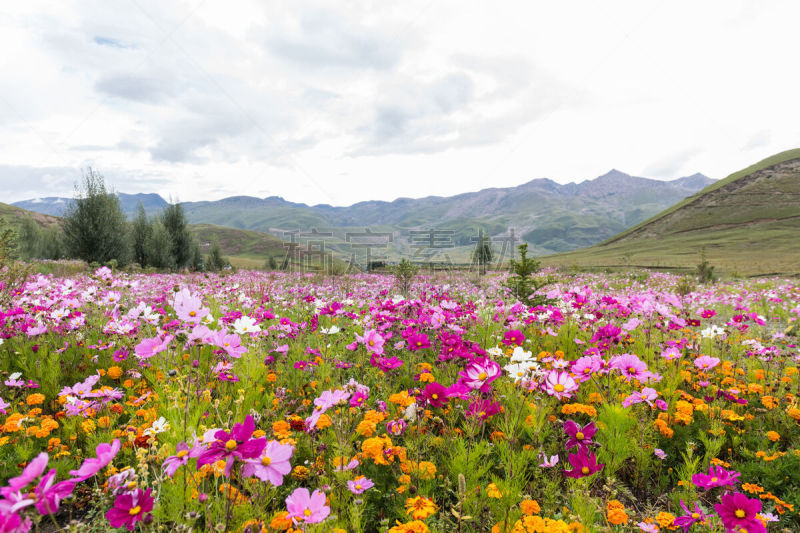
{"x": 140, "y": 233}
{"x": 174, "y": 221}
{"x": 521, "y": 281}
{"x": 158, "y": 250}
{"x": 95, "y": 228}
{"x": 483, "y": 254}
{"x": 215, "y": 262}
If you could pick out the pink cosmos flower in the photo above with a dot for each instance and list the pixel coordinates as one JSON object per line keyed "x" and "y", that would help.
{"x": 647, "y": 395}
{"x": 32, "y": 471}
{"x": 13, "y": 523}
{"x": 3, "y": 406}
{"x": 272, "y": 464}
{"x": 583, "y": 464}
{"x": 716, "y": 477}
{"x": 359, "y": 398}
{"x": 671, "y": 353}
{"x": 232, "y": 344}
{"x": 738, "y": 513}
{"x": 483, "y": 409}
{"x": 360, "y": 485}
{"x": 130, "y": 508}
{"x": 234, "y": 445}
{"x": 644, "y": 527}
{"x": 706, "y": 362}
{"x": 585, "y": 366}
{"x": 479, "y": 374}
{"x": 372, "y": 340}
{"x": 184, "y": 453}
{"x": 630, "y": 366}
{"x": 105, "y": 454}
{"x": 188, "y": 307}
{"x": 548, "y": 463}
{"x": 48, "y": 493}
{"x": 305, "y": 507}
{"x": 560, "y": 384}
{"x": 149, "y": 347}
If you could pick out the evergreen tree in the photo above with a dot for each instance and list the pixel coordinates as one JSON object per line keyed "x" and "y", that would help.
{"x": 483, "y": 254}
{"x": 158, "y": 249}
{"x": 181, "y": 242}
{"x": 215, "y": 262}
{"x": 140, "y": 233}
{"x": 521, "y": 281}
{"x": 95, "y": 228}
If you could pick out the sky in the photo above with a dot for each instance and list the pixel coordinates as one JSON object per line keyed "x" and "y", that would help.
{"x": 345, "y": 101}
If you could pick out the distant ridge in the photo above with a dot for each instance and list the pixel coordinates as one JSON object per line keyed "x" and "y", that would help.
{"x": 748, "y": 222}
{"x": 550, "y": 216}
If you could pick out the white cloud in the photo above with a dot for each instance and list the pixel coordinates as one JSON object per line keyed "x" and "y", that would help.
{"x": 342, "y": 102}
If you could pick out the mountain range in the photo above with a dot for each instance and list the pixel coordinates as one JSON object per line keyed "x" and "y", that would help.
{"x": 747, "y": 223}
{"x": 550, "y": 216}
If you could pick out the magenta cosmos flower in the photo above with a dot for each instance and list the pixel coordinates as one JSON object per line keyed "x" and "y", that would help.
{"x": 360, "y": 485}
{"x": 435, "y": 394}
{"x": 579, "y": 436}
{"x": 234, "y": 445}
{"x": 513, "y": 338}
{"x": 716, "y": 477}
{"x": 559, "y": 384}
{"x": 305, "y": 507}
{"x": 272, "y": 464}
{"x": 418, "y": 341}
{"x": 583, "y": 464}
{"x": 585, "y": 366}
{"x": 480, "y": 373}
{"x": 690, "y": 518}
{"x": 105, "y": 454}
{"x": 32, "y": 471}
{"x": 130, "y": 508}
{"x": 738, "y": 513}
{"x": 184, "y": 453}
{"x": 483, "y": 409}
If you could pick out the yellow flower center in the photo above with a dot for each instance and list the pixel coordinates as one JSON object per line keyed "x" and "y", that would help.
{"x": 587, "y": 370}
{"x": 520, "y": 374}
{"x": 579, "y": 435}
{"x": 419, "y": 343}
{"x": 131, "y": 485}
{"x": 307, "y": 512}
{"x": 266, "y": 461}
{"x": 230, "y": 445}
{"x": 358, "y": 487}
{"x": 435, "y": 396}
{"x": 713, "y": 480}
{"x": 631, "y": 370}
{"x": 695, "y": 515}
{"x": 372, "y": 343}
{"x": 558, "y": 387}
{"x": 482, "y": 414}
{"x": 585, "y": 470}
{"x": 739, "y": 513}
{"x": 183, "y": 453}
{"x": 135, "y": 510}
{"x": 192, "y": 313}
{"x": 482, "y": 376}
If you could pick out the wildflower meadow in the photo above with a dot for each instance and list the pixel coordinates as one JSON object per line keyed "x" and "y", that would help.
{"x": 260, "y": 402}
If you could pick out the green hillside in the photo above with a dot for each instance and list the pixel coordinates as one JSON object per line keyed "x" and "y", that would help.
{"x": 748, "y": 223}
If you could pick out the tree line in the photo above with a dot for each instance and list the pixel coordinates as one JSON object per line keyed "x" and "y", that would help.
{"x": 94, "y": 228}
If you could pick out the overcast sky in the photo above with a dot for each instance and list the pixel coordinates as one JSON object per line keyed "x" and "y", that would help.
{"x": 342, "y": 101}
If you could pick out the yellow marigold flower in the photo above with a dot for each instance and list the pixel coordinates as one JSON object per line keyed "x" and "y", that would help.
{"x": 35, "y": 399}
{"x": 426, "y": 377}
{"x": 324, "y": 421}
{"x": 794, "y": 413}
{"x": 420, "y": 507}
{"x": 665, "y": 519}
{"x": 373, "y": 448}
{"x": 366, "y": 428}
{"x": 300, "y": 472}
{"x": 401, "y": 398}
{"x": 529, "y": 507}
{"x": 115, "y": 372}
{"x": 774, "y": 436}
{"x": 88, "y": 426}
{"x": 32, "y": 430}
{"x": 493, "y": 492}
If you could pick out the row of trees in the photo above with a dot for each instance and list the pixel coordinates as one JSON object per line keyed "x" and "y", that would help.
{"x": 94, "y": 228}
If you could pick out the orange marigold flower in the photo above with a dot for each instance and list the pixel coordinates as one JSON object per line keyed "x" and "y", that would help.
{"x": 420, "y": 507}
{"x": 774, "y": 436}
{"x": 35, "y": 399}
{"x": 752, "y": 488}
{"x": 493, "y": 492}
{"x": 529, "y": 507}
{"x": 115, "y": 372}
{"x": 415, "y": 526}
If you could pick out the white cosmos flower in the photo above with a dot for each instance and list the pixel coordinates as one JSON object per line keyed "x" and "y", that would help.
{"x": 521, "y": 355}
{"x": 330, "y": 331}
{"x": 246, "y": 325}
{"x": 712, "y": 331}
{"x": 159, "y": 426}
{"x": 520, "y": 371}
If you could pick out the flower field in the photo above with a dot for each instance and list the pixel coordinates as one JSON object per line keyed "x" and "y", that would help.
{"x": 259, "y": 402}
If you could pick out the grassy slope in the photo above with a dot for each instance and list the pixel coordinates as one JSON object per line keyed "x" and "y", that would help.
{"x": 747, "y": 227}
{"x": 14, "y": 215}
